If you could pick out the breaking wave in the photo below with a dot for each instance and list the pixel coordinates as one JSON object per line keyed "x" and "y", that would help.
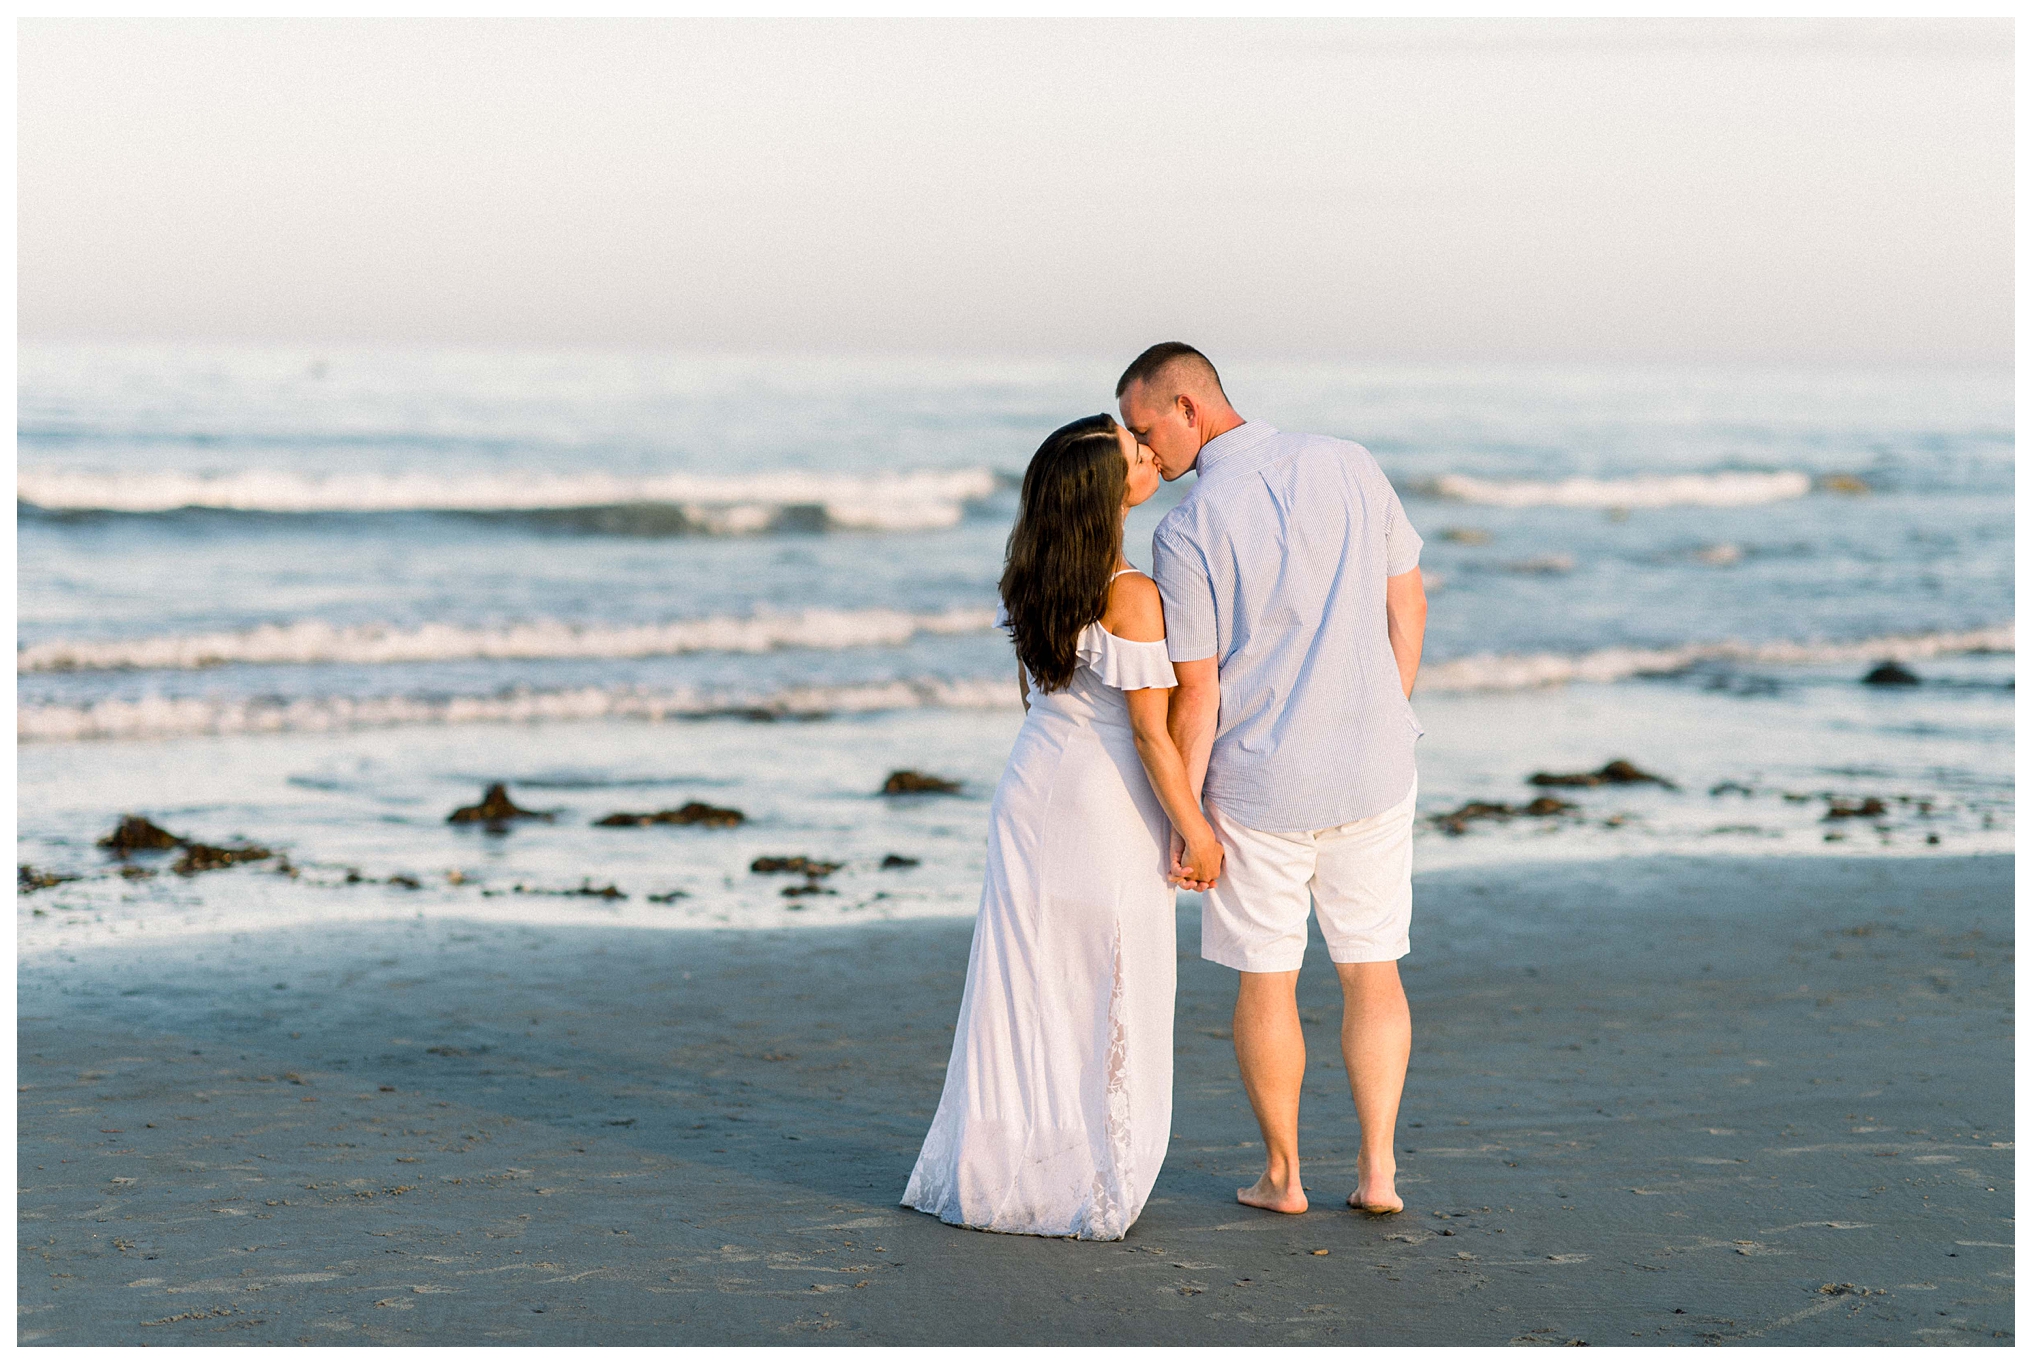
{"x": 664, "y": 503}
{"x": 316, "y": 641}
{"x": 160, "y": 717}
{"x": 1649, "y": 491}
{"x": 1516, "y": 672}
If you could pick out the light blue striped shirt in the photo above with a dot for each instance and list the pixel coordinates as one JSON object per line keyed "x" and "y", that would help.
{"x": 1274, "y": 564}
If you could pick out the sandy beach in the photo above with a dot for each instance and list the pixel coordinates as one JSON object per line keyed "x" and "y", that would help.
{"x": 1657, "y": 1101}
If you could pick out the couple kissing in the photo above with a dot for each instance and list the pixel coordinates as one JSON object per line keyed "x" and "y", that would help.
{"x": 1238, "y": 723}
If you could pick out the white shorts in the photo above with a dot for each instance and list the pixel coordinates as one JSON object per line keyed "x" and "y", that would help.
{"x": 1357, "y": 877}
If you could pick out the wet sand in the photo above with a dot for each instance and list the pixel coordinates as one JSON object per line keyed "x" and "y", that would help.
{"x": 1663, "y": 1102}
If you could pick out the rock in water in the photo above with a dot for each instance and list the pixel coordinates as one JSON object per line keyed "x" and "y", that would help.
{"x": 1869, "y": 808}
{"x": 897, "y": 861}
{"x": 1617, "y": 773}
{"x": 1456, "y": 821}
{"x": 798, "y": 866}
{"x": 698, "y": 812}
{"x": 1890, "y": 674}
{"x": 692, "y": 812}
{"x": 199, "y": 857}
{"x": 136, "y": 834}
{"x": 494, "y": 808}
{"x": 908, "y": 783}
{"x": 1621, "y": 773}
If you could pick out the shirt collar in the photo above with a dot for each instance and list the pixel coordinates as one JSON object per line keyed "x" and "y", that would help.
{"x": 1224, "y": 447}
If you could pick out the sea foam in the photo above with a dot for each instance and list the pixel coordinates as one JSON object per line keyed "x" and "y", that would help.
{"x": 154, "y": 717}
{"x": 316, "y": 641}
{"x": 1730, "y": 489}
{"x": 919, "y": 500}
{"x": 1516, "y": 672}
{"x": 160, "y": 717}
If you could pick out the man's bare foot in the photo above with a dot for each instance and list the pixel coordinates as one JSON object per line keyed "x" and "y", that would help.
{"x": 1376, "y": 1195}
{"x": 1273, "y": 1195}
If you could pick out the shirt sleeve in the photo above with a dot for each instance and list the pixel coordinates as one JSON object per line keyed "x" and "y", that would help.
{"x": 1400, "y": 542}
{"x": 1190, "y": 630}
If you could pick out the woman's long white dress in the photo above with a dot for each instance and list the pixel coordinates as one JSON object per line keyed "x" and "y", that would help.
{"x": 1057, "y": 1104}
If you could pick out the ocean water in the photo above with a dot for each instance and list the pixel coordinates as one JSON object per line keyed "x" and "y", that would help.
{"x": 317, "y": 599}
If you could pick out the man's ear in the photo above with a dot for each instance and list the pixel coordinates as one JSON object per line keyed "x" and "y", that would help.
{"x": 1191, "y": 412}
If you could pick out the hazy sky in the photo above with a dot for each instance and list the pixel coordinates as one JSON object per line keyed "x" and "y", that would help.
{"x": 1790, "y": 191}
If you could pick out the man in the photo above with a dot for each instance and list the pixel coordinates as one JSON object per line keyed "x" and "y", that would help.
{"x": 1295, "y": 615}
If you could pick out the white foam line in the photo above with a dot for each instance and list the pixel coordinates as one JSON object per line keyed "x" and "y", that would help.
{"x": 315, "y": 641}
{"x": 918, "y": 499}
{"x": 161, "y": 717}
{"x": 155, "y": 717}
{"x": 1649, "y": 491}
{"x": 1515, "y": 672}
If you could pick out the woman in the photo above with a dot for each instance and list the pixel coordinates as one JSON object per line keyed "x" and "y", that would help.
{"x": 1057, "y": 1103}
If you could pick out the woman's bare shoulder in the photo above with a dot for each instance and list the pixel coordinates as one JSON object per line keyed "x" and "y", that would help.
{"x": 1135, "y": 610}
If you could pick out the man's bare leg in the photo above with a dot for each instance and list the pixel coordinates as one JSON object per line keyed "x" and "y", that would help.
{"x": 1270, "y": 1049}
{"x": 1376, "y": 1044}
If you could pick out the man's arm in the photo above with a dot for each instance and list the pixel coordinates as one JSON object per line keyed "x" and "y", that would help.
{"x": 1190, "y": 627}
{"x": 1404, "y": 600}
{"x": 1195, "y": 715}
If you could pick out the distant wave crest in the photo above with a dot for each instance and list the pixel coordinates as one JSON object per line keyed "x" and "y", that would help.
{"x": 157, "y": 717}
{"x": 1733, "y": 489}
{"x": 161, "y": 717}
{"x": 1516, "y": 672}
{"x": 316, "y": 641}
{"x": 701, "y": 503}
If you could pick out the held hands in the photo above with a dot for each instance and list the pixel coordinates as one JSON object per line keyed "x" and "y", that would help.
{"x": 1196, "y": 859}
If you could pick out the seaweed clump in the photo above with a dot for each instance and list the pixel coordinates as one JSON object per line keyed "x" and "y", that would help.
{"x": 1617, "y": 773}
{"x": 691, "y": 812}
{"x": 905, "y": 782}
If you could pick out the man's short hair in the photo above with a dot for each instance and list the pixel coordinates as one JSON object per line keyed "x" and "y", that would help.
{"x": 1146, "y": 367}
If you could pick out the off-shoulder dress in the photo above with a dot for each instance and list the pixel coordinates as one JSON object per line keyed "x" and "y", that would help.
{"x": 1057, "y": 1103}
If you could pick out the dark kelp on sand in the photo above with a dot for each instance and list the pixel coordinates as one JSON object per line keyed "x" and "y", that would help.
{"x": 29, "y": 879}
{"x": 799, "y": 866}
{"x": 905, "y": 782}
{"x": 1456, "y": 821}
{"x": 135, "y": 834}
{"x": 691, "y": 812}
{"x": 1620, "y": 772}
{"x": 199, "y": 857}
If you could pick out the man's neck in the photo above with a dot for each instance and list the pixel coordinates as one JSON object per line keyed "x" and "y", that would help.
{"x": 1217, "y": 427}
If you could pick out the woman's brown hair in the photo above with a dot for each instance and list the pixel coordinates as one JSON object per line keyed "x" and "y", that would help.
{"x": 1064, "y": 547}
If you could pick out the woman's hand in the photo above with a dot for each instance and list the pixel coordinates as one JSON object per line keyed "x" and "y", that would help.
{"x": 1200, "y": 866}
